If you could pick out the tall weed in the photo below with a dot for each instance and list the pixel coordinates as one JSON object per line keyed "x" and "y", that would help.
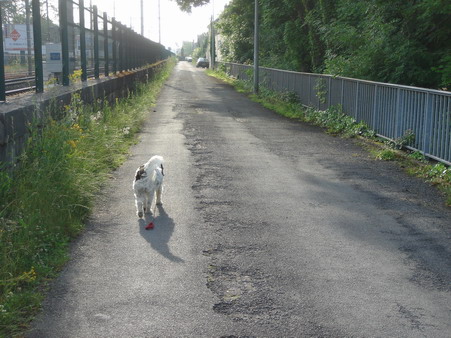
{"x": 46, "y": 197}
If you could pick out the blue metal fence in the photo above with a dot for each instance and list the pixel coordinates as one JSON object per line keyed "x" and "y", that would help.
{"x": 391, "y": 110}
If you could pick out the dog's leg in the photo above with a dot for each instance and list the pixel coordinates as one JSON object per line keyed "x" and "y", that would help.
{"x": 139, "y": 206}
{"x": 158, "y": 194}
{"x": 149, "y": 199}
{"x": 145, "y": 204}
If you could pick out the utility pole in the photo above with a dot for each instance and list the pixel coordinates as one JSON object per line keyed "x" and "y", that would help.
{"x": 256, "y": 47}
{"x": 212, "y": 37}
{"x": 159, "y": 23}
{"x": 212, "y": 45}
{"x": 2, "y": 61}
{"x": 48, "y": 20}
{"x": 142, "y": 18}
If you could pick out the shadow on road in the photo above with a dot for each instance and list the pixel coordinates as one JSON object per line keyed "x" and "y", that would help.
{"x": 160, "y": 235}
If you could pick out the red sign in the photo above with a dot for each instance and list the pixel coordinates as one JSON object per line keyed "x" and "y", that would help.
{"x": 15, "y": 35}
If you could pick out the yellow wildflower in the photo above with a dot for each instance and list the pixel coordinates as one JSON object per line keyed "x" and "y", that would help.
{"x": 72, "y": 143}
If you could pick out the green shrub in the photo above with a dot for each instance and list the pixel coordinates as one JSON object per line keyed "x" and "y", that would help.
{"x": 386, "y": 155}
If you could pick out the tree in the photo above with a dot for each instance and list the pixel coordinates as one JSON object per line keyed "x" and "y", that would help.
{"x": 13, "y": 11}
{"x": 399, "y": 41}
{"x": 236, "y": 25}
{"x": 186, "y": 5}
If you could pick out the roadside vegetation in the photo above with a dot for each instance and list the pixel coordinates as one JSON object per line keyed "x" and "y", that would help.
{"x": 398, "y": 41}
{"x": 335, "y": 122}
{"x": 47, "y": 196}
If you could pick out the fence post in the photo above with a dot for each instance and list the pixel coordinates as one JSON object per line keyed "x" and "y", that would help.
{"x": 309, "y": 102}
{"x": 329, "y": 93}
{"x": 96, "y": 42}
{"x": 27, "y": 24}
{"x": 356, "y": 106}
{"x": 375, "y": 122}
{"x": 64, "y": 27}
{"x": 120, "y": 33}
{"x": 2, "y": 61}
{"x": 126, "y": 50}
{"x": 427, "y": 131}
{"x": 37, "y": 38}
{"x": 129, "y": 49}
{"x": 84, "y": 71}
{"x": 105, "y": 43}
{"x": 342, "y": 93}
{"x": 114, "y": 49}
{"x": 133, "y": 42}
{"x": 135, "y": 50}
{"x": 398, "y": 114}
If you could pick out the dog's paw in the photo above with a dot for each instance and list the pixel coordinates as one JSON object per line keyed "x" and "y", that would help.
{"x": 140, "y": 214}
{"x": 159, "y": 203}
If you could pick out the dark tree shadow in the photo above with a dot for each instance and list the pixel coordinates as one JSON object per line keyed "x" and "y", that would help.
{"x": 160, "y": 235}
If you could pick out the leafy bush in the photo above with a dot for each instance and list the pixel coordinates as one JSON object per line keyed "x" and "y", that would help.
{"x": 417, "y": 155}
{"x": 386, "y": 155}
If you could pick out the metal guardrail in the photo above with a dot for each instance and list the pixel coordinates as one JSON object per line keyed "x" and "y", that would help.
{"x": 86, "y": 45}
{"x": 390, "y": 110}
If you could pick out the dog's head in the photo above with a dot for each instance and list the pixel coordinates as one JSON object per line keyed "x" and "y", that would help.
{"x": 140, "y": 173}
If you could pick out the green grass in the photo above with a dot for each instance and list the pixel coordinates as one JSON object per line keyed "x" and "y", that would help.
{"x": 47, "y": 196}
{"x": 335, "y": 122}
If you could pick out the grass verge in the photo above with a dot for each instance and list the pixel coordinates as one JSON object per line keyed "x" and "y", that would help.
{"x": 337, "y": 123}
{"x": 46, "y": 197}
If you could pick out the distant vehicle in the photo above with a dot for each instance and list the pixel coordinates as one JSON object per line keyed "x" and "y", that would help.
{"x": 189, "y": 59}
{"x": 202, "y": 62}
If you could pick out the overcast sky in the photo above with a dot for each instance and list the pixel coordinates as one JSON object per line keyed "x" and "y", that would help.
{"x": 176, "y": 26}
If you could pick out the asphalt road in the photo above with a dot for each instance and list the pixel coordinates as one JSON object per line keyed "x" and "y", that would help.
{"x": 269, "y": 228}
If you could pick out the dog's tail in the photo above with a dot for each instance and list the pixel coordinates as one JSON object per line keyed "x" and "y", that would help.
{"x": 155, "y": 162}
{"x": 157, "y": 176}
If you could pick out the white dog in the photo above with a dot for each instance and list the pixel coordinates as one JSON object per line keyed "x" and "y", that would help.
{"x": 147, "y": 183}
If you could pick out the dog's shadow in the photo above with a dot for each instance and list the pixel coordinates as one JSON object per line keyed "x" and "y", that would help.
{"x": 160, "y": 235}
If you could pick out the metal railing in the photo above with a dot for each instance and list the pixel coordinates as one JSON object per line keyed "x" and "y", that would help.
{"x": 58, "y": 38}
{"x": 390, "y": 110}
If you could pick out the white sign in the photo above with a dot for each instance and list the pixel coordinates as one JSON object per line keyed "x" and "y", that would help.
{"x": 16, "y": 37}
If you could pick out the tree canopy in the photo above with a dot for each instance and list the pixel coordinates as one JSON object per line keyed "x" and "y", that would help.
{"x": 186, "y": 5}
{"x": 398, "y": 41}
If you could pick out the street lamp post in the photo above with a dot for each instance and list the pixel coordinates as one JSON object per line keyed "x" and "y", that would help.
{"x": 2, "y": 61}
{"x": 256, "y": 48}
{"x": 142, "y": 18}
{"x": 159, "y": 22}
{"x": 212, "y": 37}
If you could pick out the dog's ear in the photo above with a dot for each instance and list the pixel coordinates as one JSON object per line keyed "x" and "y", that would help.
{"x": 139, "y": 173}
{"x": 162, "y": 169}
